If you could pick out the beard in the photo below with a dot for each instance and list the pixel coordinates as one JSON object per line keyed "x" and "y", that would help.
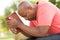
{"x": 31, "y": 18}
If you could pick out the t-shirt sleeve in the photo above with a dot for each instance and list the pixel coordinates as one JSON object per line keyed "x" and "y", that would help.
{"x": 33, "y": 23}
{"x": 45, "y": 14}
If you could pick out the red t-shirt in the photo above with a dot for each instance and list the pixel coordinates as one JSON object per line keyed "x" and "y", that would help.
{"x": 47, "y": 14}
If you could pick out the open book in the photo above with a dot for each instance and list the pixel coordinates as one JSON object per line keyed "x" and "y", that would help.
{"x": 14, "y": 15}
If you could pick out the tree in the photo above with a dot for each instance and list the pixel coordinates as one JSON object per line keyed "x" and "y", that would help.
{"x": 52, "y": 1}
{"x": 55, "y": 2}
{"x": 58, "y": 4}
{"x": 3, "y": 25}
{"x": 14, "y": 7}
{"x": 7, "y": 12}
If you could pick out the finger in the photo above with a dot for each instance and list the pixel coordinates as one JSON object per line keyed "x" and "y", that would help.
{"x": 10, "y": 17}
{"x": 10, "y": 25}
{"x": 8, "y": 21}
{"x": 13, "y": 30}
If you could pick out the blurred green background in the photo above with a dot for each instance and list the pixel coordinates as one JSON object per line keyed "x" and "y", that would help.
{"x": 5, "y": 33}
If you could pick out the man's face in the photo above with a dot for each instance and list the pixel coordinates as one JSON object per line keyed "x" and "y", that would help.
{"x": 26, "y": 13}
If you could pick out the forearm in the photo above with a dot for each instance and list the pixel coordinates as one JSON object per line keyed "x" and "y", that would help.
{"x": 33, "y": 31}
{"x": 25, "y": 34}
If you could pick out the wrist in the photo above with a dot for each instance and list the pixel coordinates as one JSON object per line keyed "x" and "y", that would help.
{"x": 19, "y": 25}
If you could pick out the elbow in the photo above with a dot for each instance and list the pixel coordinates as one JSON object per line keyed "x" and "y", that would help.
{"x": 39, "y": 34}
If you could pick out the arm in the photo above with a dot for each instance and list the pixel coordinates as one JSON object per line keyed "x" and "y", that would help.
{"x": 34, "y": 31}
{"x": 39, "y": 31}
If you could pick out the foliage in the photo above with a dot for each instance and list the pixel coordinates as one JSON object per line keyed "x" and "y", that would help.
{"x": 13, "y": 7}
{"x": 32, "y": 1}
{"x": 57, "y": 3}
{"x": 7, "y": 11}
{"x": 3, "y": 25}
{"x": 52, "y": 1}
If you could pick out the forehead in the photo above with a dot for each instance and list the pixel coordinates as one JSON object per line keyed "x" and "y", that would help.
{"x": 23, "y": 12}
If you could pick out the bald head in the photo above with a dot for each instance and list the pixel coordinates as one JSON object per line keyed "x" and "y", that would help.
{"x": 26, "y": 9}
{"x": 26, "y": 4}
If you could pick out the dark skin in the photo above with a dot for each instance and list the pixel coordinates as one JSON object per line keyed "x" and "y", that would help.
{"x": 28, "y": 11}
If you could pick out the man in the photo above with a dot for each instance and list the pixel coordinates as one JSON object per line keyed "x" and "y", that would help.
{"x": 44, "y": 21}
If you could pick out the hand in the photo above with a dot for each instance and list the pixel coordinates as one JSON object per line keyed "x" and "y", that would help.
{"x": 12, "y": 22}
{"x": 12, "y": 25}
{"x": 15, "y": 30}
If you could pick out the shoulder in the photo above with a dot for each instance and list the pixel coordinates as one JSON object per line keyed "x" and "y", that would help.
{"x": 45, "y": 3}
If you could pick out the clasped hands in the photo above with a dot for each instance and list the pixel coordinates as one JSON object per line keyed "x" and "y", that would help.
{"x": 13, "y": 25}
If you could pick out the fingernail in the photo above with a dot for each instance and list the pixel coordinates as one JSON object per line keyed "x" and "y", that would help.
{"x": 10, "y": 18}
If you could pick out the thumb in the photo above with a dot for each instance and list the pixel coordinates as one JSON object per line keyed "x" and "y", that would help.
{"x": 10, "y": 17}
